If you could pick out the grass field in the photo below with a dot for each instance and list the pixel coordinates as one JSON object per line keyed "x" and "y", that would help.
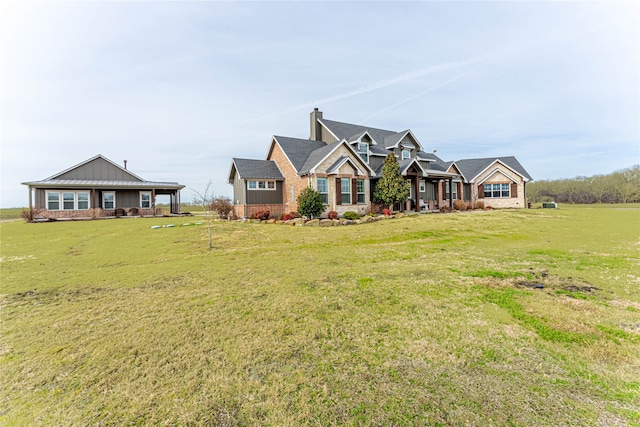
{"x": 422, "y": 320}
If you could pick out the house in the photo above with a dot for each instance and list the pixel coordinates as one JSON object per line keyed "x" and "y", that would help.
{"x": 293, "y": 164}
{"x": 98, "y": 188}
{"x": 344, "y": 161}
{"x": 498, "y": 182}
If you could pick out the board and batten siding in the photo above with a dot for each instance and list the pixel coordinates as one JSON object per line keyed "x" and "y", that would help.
{"x": 264, "y": 197}
{"x": 100, "y": 170}
{"x": 239, "y": 189}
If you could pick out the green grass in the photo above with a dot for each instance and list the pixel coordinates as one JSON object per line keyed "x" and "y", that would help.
{"x": 423, "y": 320}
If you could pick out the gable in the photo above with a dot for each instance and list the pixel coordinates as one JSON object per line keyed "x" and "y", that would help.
{"x": 297, "y": 151}
{"x": 498, "y": 174}
{"x": 254, "y": 169}
{"x": 474, "y": 169}
{"x": 335, "y": 159}
{"x": 98, "y": 168}
{"x": 453, "y": 169}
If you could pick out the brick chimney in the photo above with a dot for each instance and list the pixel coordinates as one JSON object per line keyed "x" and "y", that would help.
{"x": 315, "y": 125}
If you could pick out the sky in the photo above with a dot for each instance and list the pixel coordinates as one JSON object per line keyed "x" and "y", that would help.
{"x": 180, "y": 88}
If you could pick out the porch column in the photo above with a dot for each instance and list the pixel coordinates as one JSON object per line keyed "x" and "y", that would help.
{"x": 416, "y": 191}
{"x": 30, "y": 199}
{"x": 451, "y": 193}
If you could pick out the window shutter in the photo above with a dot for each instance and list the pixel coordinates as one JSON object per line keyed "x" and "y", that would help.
{"x": 481, "y": 191}
{"x": 338, "y": 192}
{"x": 354, "y": 192}
{"x": 459, "y": 190}
{"x": 444, "y": 190}
{"x": 514, "y": 190}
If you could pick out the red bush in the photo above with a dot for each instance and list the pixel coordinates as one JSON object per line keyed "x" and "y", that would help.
{"x": 386, "y": 212}
{"x": 333, "y": 215}
{"x": 261, "y": 215}
{"x": 286, "y": 217}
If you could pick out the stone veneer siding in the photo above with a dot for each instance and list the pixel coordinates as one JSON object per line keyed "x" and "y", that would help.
{"x": 94, "y": 213}
{"x": 497, "y": 177}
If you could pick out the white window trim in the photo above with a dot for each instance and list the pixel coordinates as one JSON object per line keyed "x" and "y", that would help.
{"x": 266, "y": 185}
{"x": 342, "y": 193}
{"x": 404, "y": 150}
{"x": 77, "y": 200}
{"x": 492, "y": 190}
{"x": 150, "y": 199}
{"x": 364, "y": 192}
{"x": 423, "y": 187}
{"x": 365, "y": 152}
{"x": 326, "y": 180}
{"x": 104, "y": 201}
{"x": 61, "y": 200}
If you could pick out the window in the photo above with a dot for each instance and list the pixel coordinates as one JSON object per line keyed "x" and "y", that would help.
{"x": 345, "y": 191}
{"x": 261, "y": 185}
{"x": 323, "y": 189}
{"x": 71, "y": 200}
{"x": 497, "y": 190}
{"x": 145, "y": 200}
{"x": 363, "y": 151}
{"x": 108, "y": 201}
{"x": 422, "y": 187}
{"x": 293, "y": 194}
{"x": 360, "y": 191}
{"x": 83, "y": 200}
{"x": 406, "y": 154}
{"x": 53, "y": 201}
{"x": 448, "y": 194}
{"x": 68, "y": 201}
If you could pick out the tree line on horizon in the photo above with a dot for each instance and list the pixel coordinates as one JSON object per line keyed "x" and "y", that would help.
{"x": 621, "y": 186}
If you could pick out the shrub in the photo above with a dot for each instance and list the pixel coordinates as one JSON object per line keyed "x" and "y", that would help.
{"x": 351, "y": 215}
{"x": 489, "y": 207}
{"x": 386, "y": 212}
{"x": 310, "y": 203}
{"x": 294, "y": 215}
{"x": 445, "y": 209}
{"x": 261, "y": 215}
{"x": 478, "y": 205}
{"x": 30, "y": 214}
{"x": 221, "y": 205}
{"x": 459, "y": 205}
{"x": 287, "y": 217}
{"x": 333, "y": 214}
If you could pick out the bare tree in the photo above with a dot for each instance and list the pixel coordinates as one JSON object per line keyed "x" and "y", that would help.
{"x": 204, "y": 199}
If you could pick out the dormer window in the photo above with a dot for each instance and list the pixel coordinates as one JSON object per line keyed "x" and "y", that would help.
{"x": 363, "y": 151}
{"x": 406, "y": 154}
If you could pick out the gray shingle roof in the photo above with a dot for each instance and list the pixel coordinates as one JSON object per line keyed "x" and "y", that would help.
{"x": 428, "y": 156}
{"x": 315, "y": 157}
{"x": 336, "y": 165}
{"x": 347, "y": 130}
{"x": 470, "y": 168}
{"x": 298, "y": 150}
{"x": 251, "y": 168}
